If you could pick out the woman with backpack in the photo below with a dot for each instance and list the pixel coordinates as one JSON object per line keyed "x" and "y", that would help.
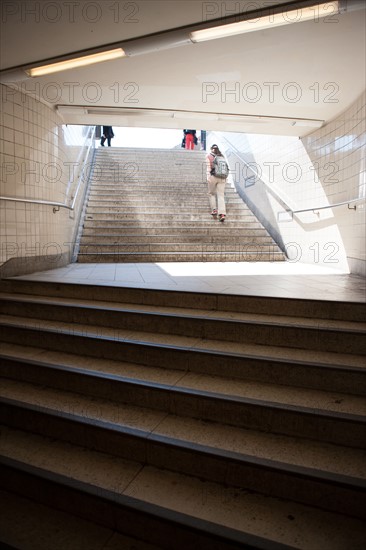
{"x": 217, "y": 173}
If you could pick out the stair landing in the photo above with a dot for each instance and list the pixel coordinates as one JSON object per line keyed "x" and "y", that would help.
{"x": 273, "y": 279}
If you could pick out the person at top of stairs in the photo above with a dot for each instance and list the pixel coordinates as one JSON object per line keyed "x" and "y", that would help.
{"x": 217, "y": 172}
{"x": 107, "y": 135}
{"x": 190, "y": 139}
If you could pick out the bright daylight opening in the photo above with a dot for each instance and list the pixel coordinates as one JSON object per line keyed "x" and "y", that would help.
{"x": 217, "y": 269}
{"x": 155, "y": 138}
{"x": 299, "y": 183}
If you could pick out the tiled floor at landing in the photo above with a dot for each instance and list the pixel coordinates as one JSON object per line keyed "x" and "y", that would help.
{"x": 282, "y": 279}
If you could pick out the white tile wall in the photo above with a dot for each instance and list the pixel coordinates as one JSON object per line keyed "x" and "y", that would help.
{"x": 326, "y": 167}
{"x": 34, "y": 149}
{"x": 339, "y": 148}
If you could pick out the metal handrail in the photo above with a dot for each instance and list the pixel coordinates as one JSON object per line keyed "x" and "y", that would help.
{"x": 83, "y": 168}
{"x": 288, "y": 209}
{"x": 58, "y": 205}
{"x": 330, "y": 206}
{"x": 38, "y": 201}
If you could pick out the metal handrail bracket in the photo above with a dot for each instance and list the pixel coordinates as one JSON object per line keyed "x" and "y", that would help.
{"x": 287, "y": 215}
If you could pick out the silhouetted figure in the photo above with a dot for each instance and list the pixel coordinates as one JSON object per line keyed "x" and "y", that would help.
{"x": 107, "y": 135}
{"x": 203, "y": 140}
{"x": 190, "y": 139}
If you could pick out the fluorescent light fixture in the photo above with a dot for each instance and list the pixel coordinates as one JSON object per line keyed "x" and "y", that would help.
{"x": 76, "y": 62}
{"x": 309, "y": 123}
{"x": 267, "y": 21}
{"x": 183, "y": 115}
{"x": 188, "y": 115}
{"x": 245, "y": 118}
{"x": 262, "y": 119}
{"x": 71, "y": 110}
{"x": 129, "y": 112}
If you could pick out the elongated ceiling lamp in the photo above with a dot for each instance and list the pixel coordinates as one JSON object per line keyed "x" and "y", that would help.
{"x": 76, "y": 62}
{"x": 267, "y": 21}
{"x": 263, "y": 19}
{"x": 259, "y": 19}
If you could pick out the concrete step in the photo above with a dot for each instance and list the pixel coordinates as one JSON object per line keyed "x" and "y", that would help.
{"x": 293, "y": 307}
{"x": 247, "y": 361}
{"x": 169, "y": 192}
{"x": 208, "y": 514}
{"x": 139, "y": 195}
{"x": 305, "y": 414}
{"x": 155, "y": 202}
{"x": 152, "y": 257}
{"x": 315, "y": 334}
{"x": 204, "y": 222}
{"x": 199, "y": 186}
{"x": 176, "y": 217}
{"x": 133, "y": 167}
{"x": 142, "y": 238}
{"x": 177, "y": 209}
{"x": 173, "y": 209}
{"x": 152, "y": 151}
{"x": 251, "y": 248}
{"x": 148, "y": 181}
{"x": 124, "y": 406}
{"x": 150, "y": 161}
{"x": 144, "y": 156}
{"x": 56, "y": 529}
{"x": 173, "y": 446}
{"x": 163, "y": 195}
{"x": 165, "y": 164}
{"x": 200, "y": 231}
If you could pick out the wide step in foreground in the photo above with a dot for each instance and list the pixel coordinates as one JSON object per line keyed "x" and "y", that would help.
{"x": 234, "y": 422}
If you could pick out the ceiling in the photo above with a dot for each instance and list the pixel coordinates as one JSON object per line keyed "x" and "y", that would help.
{"x": 310, "y": 71}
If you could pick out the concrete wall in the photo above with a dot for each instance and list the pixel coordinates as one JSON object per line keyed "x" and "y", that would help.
{"x": 40, "y": 159}
{"x": 325, "y": 168}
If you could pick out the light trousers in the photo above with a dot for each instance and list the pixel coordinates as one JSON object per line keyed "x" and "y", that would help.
{"x": 216, "y": 193}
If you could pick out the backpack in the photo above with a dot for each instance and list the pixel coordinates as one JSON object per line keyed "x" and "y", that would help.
{"x": 220, "y": 168}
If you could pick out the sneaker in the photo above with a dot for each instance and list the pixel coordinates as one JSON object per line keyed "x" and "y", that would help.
{"x": 222, "y": 217}
{"x": 214, "y": 213}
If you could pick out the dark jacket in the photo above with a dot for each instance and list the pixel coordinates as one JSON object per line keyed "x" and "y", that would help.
{"x": 108, "y": 132}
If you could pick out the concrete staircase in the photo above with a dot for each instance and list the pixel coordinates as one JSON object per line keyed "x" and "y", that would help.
{"x": 180, "y": 420}
{"x": 151, "y": 205}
